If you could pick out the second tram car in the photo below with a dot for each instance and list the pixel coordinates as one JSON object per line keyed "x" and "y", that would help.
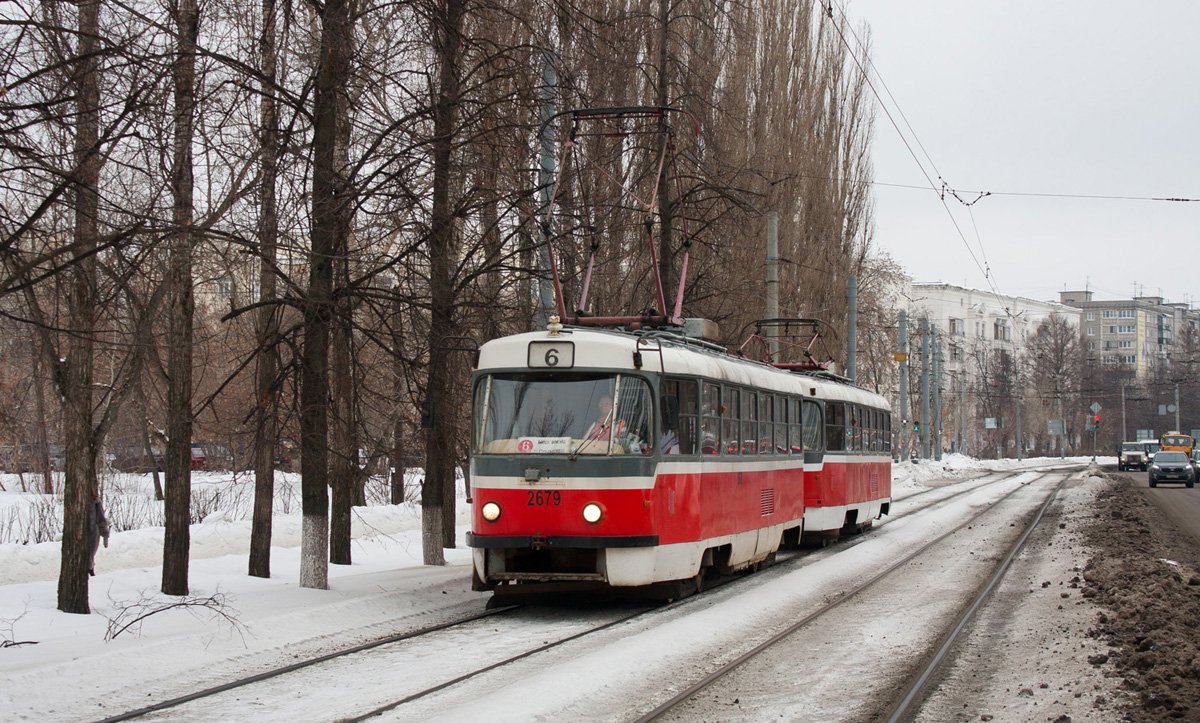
{"x": 614, "y": 459}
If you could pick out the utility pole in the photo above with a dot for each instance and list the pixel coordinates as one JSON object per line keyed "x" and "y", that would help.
{"x": 1124, "y": 433}
{"x": 1177, "y": 429}
{"x": 902, "y": 357}
{"x": 935, "y": 427}
{"x": 773, "y": 281}
{"x": 545, "y": 179}
{"x": 1017, "y": 390}
{"x": 852, "y": 329}
{"x": 923, "y": 434}
{"x": 1062, "y": 432}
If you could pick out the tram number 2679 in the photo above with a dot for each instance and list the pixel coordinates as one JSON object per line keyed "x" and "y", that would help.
{"x": 540, "y": 498}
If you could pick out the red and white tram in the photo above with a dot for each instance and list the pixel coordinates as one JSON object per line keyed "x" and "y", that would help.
{"x": 615, "y": 459}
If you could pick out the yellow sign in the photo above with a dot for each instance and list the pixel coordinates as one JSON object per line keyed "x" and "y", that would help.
{"x": 900, "y": 356}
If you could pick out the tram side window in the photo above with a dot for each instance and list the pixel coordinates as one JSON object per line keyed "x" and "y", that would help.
{"x": 795, "y": 428}
{"x": 766, "y": 424}
{"x": 710, "y": 420}
{"x": 679, "y": 419}
{"x": 730, "y": 427}
{"x": 813, "y": 427}
{"x": 749, "y": 422}
{"x": 781, "y": 425}
{"x": 854, "y": 427}
{"x": 887, "y": 431}
{"x": 873, "y": 416}
{"x": 835, "y": 426}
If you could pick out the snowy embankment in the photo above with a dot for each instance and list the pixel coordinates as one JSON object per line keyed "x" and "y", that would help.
{"x": 69, "y": 668}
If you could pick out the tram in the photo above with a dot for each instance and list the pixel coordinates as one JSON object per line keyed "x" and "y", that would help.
{"x": 613, "y": 459}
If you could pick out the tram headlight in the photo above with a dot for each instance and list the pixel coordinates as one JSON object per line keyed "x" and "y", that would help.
{"x": 592, "y": 512}
{"x": 490, "y": 511}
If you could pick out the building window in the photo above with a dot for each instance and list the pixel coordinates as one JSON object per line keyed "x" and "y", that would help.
{"x": 1091, "y": 331}
{"x": 1125, "y": 314}
{"x": 1091, "y": 316}
{"x": 1109, "y": 314}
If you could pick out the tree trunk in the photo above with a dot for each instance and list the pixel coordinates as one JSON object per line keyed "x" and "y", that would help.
{"x": 343, "y": 472}
{"x": 399, "y": 450}
{"x": 79, "y": 481}
{"x": 178, "y": 462}
{"x": 439, "y": 448}
{"x": 329, "y": 208}
{"x": 42, "y": 442}
{"x": 266, "y": 435}
{"x": 139, "y": 402}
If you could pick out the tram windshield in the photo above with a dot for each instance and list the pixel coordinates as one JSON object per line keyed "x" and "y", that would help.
{"x": 540, "y": 414}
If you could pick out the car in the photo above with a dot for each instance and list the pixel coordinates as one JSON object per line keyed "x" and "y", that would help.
{"x": 199, "y": 458}
{"x": 1131, "y": 454}
{"x": 1172, "y": 467}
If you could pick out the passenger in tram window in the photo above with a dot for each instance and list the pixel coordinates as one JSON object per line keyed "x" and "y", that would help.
{"x": 602, "y": 427}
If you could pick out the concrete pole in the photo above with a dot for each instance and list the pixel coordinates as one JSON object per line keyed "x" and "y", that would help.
{"x": 1124, "y": 432}
{"x": 1177, "y": 429}
{"x": 1017, "y": 390}
{"x": 905, "y": 428}
{"x": 773, "y": 281}
{"x": 852, "y": 330}
{"x": 935, "y": 426}
{"x": 923, "y": 436}
{"x": 545, "y": 284}
{"x": 962, "y": 410}
{"x": 1062, "y": 438}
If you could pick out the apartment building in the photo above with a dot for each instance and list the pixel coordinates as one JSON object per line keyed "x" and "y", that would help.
{"x": 1134, "y": 332}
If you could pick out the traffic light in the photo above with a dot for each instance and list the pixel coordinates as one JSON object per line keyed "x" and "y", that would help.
{"x": 1097, "y": 419}
{"x": 917, "y": 427}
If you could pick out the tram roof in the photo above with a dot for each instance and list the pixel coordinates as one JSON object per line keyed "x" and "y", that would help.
{"x": 600, "y": 349}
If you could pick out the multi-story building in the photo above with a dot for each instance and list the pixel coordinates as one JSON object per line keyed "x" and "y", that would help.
{"x": 1133, "y": 332}
{"x": 975, "y": 329}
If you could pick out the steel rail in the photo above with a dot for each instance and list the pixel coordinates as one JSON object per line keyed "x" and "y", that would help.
{"x": 690, "y": 691}
{"x": 266, "y": 675}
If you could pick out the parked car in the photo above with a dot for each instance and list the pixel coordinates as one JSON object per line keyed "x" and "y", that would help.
{"x": 199, "y": 458}
{"x": 1172, "y": 467}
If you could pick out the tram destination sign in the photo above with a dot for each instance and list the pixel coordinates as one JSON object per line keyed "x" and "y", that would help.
{"x": 551, "y": 354}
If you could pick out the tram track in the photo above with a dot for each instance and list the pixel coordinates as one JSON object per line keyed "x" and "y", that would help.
{"x": 244, "y": 688}
{"x": 895, "y": 707}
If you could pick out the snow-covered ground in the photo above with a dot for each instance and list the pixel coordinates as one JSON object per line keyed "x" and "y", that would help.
{"x": 73, "y": 668}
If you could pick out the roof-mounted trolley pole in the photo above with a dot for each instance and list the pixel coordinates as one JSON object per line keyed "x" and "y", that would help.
{"x": 623, "y": 123}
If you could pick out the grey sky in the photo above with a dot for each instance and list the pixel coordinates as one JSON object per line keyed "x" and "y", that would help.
{"x": 1098, "y": 98}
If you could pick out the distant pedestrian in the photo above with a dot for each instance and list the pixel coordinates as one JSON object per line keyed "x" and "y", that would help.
{"x": 97, "y": 528}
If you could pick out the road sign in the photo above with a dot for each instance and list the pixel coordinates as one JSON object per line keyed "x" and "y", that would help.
{"x": 901, "y": 356}
{"x": 1145, "y": 434}
{"x": 1095, "y": 407}
{"x": 1054, "y": 426}
{"x": 989, "y": 422}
